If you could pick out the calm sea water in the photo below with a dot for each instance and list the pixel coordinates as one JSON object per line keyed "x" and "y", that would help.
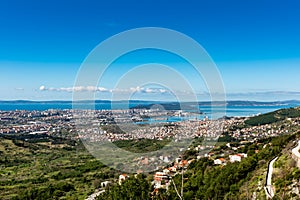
{"x": 242, "y": 111}
{"x": 48, "y": 105}
{"x": 230, "y": 110}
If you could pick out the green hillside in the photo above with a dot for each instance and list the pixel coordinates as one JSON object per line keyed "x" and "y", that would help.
{"x": 273, "y": 117}
{"x": 48, "y": 168}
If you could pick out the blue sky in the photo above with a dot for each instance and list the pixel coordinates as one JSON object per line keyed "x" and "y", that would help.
{"x": 254, "y": 43}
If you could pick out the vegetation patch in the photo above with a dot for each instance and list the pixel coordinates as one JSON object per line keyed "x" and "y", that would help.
{"x": 273, "y": 117}
{"x": 142, "y": 145}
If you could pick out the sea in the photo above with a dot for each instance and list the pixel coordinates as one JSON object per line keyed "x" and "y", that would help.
{"x": 230, "y": 111}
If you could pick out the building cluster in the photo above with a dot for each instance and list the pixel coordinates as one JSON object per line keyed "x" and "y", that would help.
{"x": 253, "y": 133}
{"x": 162, "y": 179}
{"x": 49, "y": 122}
{"x": 89, "y": 123}
{"x": 232, "y": 158}
{"x": 176, "y": 130}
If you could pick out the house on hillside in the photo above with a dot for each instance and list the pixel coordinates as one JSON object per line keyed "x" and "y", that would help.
{"x": 220, "y": 161}
{"x": 237, "y": 157}
{"x": 122, "y": 178}
{"x": 173, "y": 169}
{"x": 161, "y": 180}
{"x": 183, "y": 163}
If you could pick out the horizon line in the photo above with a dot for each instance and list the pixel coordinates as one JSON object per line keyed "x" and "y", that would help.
{"x": 143, "y": 100}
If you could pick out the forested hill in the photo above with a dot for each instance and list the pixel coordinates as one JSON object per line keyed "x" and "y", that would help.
{"x": 275, "y": 116}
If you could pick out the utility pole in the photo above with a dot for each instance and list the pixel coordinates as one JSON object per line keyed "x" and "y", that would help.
{"x": 182, "y": 183}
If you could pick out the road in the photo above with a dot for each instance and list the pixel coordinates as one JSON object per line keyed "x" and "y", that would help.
{"x": 94, "y": 195}
{"x": 296, "y": 154}
{"x": 269, "y": 188}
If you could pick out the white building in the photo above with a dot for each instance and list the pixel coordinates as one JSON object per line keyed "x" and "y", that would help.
{"x": 237, "y": 157}
{"x": 220, "y": 161}
{"x": 122, "y": 178}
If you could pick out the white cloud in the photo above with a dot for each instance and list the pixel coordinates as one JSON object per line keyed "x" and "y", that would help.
{"x": 148, "y": 90}
{"x": 75, "y": 89}
{"x": 42, "y": 88}
{"x": 102, "y": 89}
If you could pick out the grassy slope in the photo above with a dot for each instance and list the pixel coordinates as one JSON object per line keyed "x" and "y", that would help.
{"x": 26, "y": 167}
